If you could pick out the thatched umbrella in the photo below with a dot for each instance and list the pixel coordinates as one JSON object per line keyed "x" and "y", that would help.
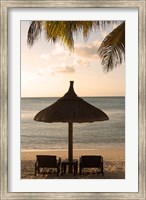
{"x": 70, "y": 108}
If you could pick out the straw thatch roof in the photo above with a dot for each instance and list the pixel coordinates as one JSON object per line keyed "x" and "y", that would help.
{"x": 71, "y": 108}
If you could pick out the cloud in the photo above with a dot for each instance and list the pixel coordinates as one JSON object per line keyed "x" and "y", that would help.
{"x": 64, "y": 69}
{"x": 85, "y": 55}
{"x": 62, "y": 61}
{"x": 79, "y": 62}
{"x": 43, "y": 71}
{"x": 48, "y": 71}
{"x": 88, "y": 52}
{"x": 56, "y": 55}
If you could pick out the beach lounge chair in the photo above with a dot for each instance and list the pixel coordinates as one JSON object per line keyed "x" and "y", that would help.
{"x": 47, "y": 161}
{"x": 91, "y": 161}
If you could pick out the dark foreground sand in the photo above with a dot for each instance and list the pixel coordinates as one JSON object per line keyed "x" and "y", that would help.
{"x": 114, "y": 164}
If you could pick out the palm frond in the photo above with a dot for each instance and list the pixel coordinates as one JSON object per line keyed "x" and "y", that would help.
{"x": 63, "y": 31}
{"x": 34, "y": 32}
{"x": 112, "y": 49}
{"x": 59, "y": 31}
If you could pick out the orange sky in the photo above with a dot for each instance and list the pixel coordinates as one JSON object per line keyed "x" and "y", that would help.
{"x": 46, "y": 69}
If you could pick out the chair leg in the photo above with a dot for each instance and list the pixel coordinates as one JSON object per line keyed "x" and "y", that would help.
{"x": 61, "y": 169}
{"x": 35, "y": 169}
{"x": 58, "y": 171}
{"x": 76, "y": 168}
{"x": 64, "y": 169}
{"x": 80, "y": 171}
{"x": 102, "y": 171}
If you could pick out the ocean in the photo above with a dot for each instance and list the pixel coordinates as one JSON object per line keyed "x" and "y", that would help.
{"x": 107, "y": 134}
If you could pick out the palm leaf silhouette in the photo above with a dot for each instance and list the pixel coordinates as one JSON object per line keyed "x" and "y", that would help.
{"x": 112, "y": 49}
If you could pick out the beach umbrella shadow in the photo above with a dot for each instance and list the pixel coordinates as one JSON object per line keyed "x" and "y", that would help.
{"x": 70, "y": 109}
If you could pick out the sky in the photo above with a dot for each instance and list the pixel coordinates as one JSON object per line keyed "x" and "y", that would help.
{"x": 47, "y": 69}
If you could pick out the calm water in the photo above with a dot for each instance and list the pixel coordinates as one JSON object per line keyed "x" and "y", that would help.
{"x": 39, "y": 135}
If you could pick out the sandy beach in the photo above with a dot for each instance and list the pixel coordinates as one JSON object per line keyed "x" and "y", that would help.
{"x": 114, "y": 164}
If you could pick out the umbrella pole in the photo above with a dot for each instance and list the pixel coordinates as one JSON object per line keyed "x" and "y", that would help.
{"x": 70, "y": 144}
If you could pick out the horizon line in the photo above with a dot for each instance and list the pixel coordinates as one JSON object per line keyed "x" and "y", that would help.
{"x": 78, "y": 96}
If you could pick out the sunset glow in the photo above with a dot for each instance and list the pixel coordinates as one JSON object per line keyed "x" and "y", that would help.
{"x": 46, "y": 69}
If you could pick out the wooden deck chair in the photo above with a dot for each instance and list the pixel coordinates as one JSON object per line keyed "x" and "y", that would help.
{"x": 91, "y": 161}
{"x": 47, "y": 161}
